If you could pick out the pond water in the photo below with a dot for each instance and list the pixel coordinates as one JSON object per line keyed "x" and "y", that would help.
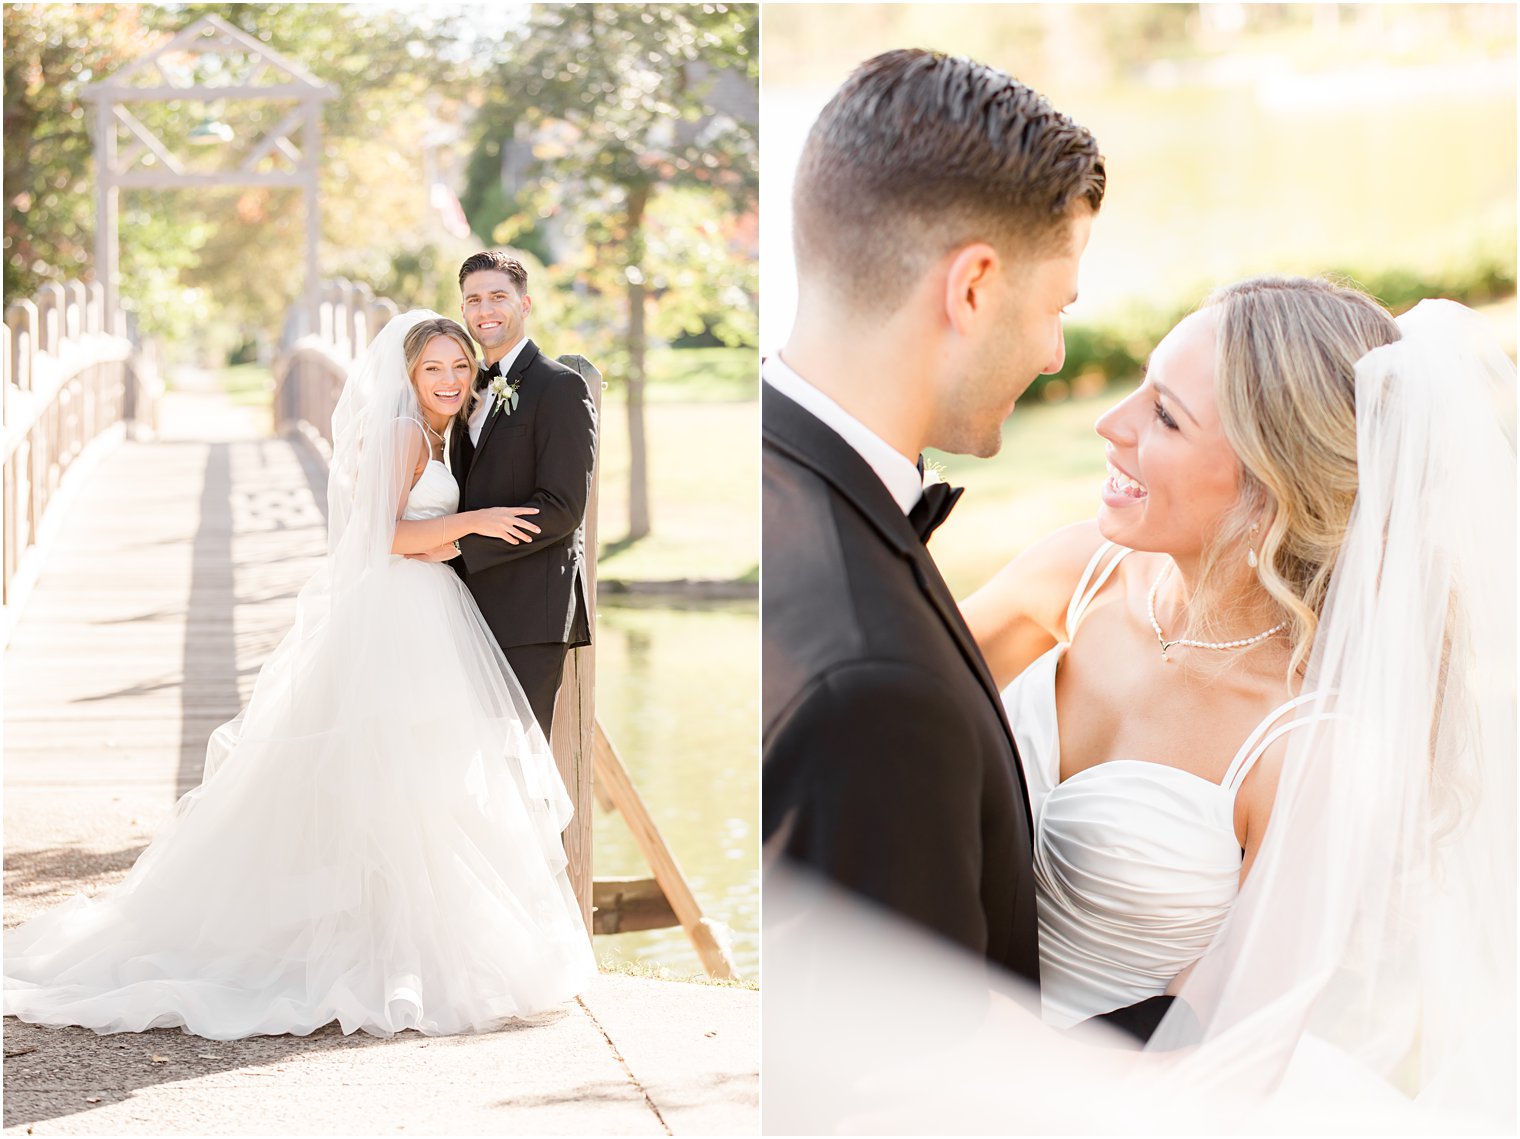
{"x": 678, "y": 691}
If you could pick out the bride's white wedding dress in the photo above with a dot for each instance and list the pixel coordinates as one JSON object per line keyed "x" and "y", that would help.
{"x": 376, "y": 841}
{"x": 1136, "y": 863}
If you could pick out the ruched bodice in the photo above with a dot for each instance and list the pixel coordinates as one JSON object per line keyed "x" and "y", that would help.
{"x": 434, "y": 494}
{"x": 1136, "y": 863}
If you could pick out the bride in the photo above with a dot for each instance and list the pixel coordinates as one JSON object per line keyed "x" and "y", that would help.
{"x": 1266, "y": 705}
{"x": 376, "y": 838}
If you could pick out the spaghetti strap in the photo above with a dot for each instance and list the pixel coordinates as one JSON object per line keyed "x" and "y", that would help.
{"x": 1255, "y": 746}
{"x": 1088, "y": 586}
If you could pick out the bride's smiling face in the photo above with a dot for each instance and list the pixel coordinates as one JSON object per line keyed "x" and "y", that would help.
{"x": 1173, "y": 475}
{"x": 442, "y": 376}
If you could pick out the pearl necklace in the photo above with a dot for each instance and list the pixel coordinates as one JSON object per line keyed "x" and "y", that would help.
{"x": 1166, "y": 645}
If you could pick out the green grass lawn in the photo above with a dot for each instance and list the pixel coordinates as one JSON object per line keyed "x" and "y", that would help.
{"x": 704, "y": 489}
{"x": 249, "y": 385}
{"x": 702, "y": 375}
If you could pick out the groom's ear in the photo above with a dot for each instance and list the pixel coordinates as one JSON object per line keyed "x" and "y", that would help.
{"x": 970, "y": 277}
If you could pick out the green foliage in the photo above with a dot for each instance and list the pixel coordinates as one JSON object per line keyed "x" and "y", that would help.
{"x": 1401, "y": 289}
{"x": 1115, "y": 350}
{"x": 51, "y": 53}
{"x": 697, "y": 266}
{"x": 641, "y": 122}
{"x": 628, "y": 83}
{"x": 232, "y": 259}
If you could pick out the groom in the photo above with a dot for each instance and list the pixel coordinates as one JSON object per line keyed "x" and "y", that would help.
{"x": 940, "y": 211}
{"x": 531, "y": 442}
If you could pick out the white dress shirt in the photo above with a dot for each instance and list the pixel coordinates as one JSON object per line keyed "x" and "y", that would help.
{"x": 898, "y": 473}
{"x": 483, "y": 408}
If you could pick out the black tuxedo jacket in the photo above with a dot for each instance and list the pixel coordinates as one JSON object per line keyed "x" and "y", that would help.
{"x": 888, "y": 763}
{"x": 540, "y": 455}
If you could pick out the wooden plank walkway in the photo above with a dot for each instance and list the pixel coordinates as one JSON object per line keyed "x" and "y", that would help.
{"x": 173, "y": 575}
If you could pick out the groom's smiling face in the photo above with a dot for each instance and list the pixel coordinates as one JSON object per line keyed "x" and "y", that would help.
{"x": 494, "y": 311}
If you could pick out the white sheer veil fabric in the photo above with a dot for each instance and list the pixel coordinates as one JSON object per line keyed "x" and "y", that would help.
{"x": 367, "y": 482}
{"x": 1375, "y": 935}
{"x": 366, "y": 486}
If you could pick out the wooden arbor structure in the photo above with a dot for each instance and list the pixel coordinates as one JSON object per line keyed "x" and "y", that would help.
{"x": 210, "y": 63}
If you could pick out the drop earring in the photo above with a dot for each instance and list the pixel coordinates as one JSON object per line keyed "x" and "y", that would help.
{"x": 1251, "y": 559}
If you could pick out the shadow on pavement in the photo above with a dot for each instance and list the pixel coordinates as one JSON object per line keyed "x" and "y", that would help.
{"x": 37, "y": 879}
{"x": 51, "y": 1073}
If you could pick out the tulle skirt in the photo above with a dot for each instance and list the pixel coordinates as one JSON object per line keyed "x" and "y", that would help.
{"x": 376, "y": 841}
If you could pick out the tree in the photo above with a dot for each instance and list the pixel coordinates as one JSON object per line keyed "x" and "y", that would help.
{"x": 51, "y": 53}
{"x": 191, "y": 258}
{"x": 620, "y": 103}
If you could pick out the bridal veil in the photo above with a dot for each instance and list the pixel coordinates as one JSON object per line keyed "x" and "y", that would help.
{"x": 1378, "y": 923}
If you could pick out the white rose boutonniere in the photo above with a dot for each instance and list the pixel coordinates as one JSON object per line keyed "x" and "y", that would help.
{"x": 933, "y": 472}
{"x": 505, "y": 392}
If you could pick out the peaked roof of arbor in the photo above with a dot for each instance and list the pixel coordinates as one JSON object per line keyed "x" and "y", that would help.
{"x": 207, "y": 35}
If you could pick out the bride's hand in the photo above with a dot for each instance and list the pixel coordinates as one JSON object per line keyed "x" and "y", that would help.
{"x": 505, "y": 522}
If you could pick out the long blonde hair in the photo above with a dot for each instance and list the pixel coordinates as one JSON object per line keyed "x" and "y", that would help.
{"x": 1286, "y": 386}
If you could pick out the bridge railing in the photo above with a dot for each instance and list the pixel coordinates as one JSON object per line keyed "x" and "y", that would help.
{"x": 309, "y": 373}
{"x": 66, "y": 382}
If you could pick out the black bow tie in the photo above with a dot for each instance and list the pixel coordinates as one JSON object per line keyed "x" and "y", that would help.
{"x": 487, "y": 374}
{"x": 934, "y": 507}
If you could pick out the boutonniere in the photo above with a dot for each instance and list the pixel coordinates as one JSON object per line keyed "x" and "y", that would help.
{"x": 933, "y": 472}
{"x": 505, "y": 391}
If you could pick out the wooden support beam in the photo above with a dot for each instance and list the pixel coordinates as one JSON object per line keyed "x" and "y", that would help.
{"x": 575, "y": 709}
{"x": 629, "y": 905}
{"x": 141, "y": 179}
{"x": 667, "y": 871}
{"x": 160, "y": 94}
{"x": 148, "y": 139}
{"x": 280, "y": 134}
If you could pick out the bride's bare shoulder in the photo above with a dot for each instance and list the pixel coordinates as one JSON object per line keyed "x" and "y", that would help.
{"x": 1021, "y": 612}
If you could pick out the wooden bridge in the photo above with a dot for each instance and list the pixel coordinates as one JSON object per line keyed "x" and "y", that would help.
{"x": 153, "y": 545}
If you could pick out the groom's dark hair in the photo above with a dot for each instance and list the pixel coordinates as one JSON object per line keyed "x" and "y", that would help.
{"x": 495, "y": 259}
{"x": 920, "y": 153}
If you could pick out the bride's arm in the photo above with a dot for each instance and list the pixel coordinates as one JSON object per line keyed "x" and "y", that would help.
{"x": 426, "y": 535}
{"x": 1021, "y": 612}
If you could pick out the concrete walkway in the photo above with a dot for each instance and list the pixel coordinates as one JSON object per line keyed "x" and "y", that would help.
{"x": 172, "y": 577}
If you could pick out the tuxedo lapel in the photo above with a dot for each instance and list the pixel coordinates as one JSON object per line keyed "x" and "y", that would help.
{"x": 520, "y": 365}
{"x": 804, "y": 438}
{"x": 459, "y": 451}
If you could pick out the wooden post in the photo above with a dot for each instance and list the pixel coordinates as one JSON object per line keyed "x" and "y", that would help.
{"x": 573, "y": 733}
